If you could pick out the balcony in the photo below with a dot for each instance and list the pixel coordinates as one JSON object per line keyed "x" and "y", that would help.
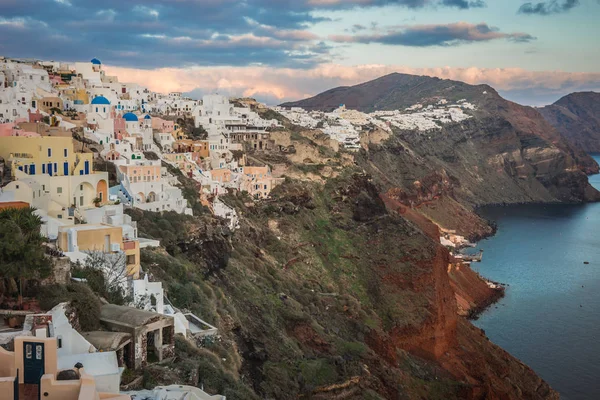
{"x": 130, "y": 245}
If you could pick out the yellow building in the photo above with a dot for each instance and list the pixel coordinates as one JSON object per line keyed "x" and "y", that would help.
{"x": 32, "y": 369}
{"x": 78, "y": 96}
{"x": 47, "y": 103}
{"x": 100, "y": 237}
{"x": 66, "y": 176}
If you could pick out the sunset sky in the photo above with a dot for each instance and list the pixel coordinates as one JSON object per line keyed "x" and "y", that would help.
{"x": 276, "y": 50}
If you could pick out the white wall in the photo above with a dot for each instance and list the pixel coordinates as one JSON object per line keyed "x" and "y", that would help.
{"x": 72, "y": 341}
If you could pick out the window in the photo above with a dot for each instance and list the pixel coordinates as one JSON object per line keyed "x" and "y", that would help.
{"x": 38, "y": 351}
{"x": 80, "y": 187}
{"x": 66, "y": 152}
{"x": 28, "y": 351}
{"x": 49, "y": 152}
{"x": 59, "y": 338}
{"x": 59, "y": 190}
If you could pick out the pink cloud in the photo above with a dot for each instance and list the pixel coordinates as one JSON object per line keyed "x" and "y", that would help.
{"x": 282, "y": 84}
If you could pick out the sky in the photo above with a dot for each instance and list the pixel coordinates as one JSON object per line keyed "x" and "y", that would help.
{"x": 280, "y": 50}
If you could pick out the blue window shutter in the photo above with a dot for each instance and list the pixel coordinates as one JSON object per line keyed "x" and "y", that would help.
{"x": 66, "y": 169}
{"x": 43, "y": 168}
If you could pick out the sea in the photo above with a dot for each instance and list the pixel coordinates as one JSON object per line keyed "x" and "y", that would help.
{"x": 549, "y": 258}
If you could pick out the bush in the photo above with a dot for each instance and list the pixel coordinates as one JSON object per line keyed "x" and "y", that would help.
{"x": 80, "y": 296}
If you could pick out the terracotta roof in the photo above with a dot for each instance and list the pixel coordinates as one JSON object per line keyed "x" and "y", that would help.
{"x": 13, "y": 204}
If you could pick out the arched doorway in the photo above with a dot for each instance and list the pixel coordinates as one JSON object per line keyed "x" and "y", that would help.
{"x": 140, "y": 198}
{"x": 151, "y": 197}
{"x": 102, "y": 191}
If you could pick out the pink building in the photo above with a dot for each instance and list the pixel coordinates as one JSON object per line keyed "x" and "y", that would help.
{"x": 56, "y": 80}
{"x": 35, "y": 117}
{"x": 119, "y": 127}
{"x": 163, "y": 125}
{"x": 11, "y": 129}
{"x": 7, "y": 129}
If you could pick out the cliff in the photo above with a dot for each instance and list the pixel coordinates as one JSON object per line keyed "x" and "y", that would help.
{"x": 328, "y": 291}
{"x": 337, "y": 286}
{"x": 577, "y": 118}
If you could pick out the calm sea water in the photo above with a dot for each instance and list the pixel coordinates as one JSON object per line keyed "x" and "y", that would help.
{"x": 550, "y": 317}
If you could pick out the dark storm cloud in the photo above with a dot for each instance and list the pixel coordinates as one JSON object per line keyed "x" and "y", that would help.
{"x": 464, "y": 4}
{"x": 548, "y": 7}
{"x": 435, "y": 35}
{"x": 162, "y": 33}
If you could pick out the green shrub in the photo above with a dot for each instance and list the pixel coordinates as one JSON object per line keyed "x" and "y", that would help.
{"x": 80, "y": 296}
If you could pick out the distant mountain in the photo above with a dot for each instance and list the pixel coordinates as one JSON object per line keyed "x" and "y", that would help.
{"x": 505, "y": 153}
{"x": 391, "y": 92}
{"x": 577, "y": 118}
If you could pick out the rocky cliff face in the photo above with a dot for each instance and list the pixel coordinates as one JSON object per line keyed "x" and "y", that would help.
{"x": 577, "y": 118}
{"x": 505, "y": 153}
{"x": 337, "y": 287}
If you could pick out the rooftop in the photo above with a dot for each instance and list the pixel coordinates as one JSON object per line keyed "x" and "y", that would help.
{"x": 106, "y": 341}
{"x": 129, "y": 316}
{"x": 100, "y": 100}
{"x": 130, "y": 117}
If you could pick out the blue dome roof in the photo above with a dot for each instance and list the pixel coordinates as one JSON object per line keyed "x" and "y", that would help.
{"x": 130, "y": 117}
{"x": 147, "y": 117}
{"x": 100, "y": 100}
{"x": 95, "y": 61}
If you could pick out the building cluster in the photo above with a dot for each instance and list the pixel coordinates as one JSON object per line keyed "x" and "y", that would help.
{"x": 345, "y": 125}
{"x": 428, "y": 117}
{"x": 81, "y": 147}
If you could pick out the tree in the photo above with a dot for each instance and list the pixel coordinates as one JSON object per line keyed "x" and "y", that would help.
{"x": 106, "y": 274}
{"x": 22, "y": 252}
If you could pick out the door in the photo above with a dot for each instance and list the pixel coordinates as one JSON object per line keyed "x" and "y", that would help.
{"x": 86, "y": 166}
{"x": 33, "y": 362}
{"x": 66, "y": 169}
{"x": 50, "y": 169}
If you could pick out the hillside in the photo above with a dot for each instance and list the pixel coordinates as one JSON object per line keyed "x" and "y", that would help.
{"x": 577, "y": 118}
{"x": 504, "y": 153}
{"x": 391, "y": 92}
{"x": 328, "y": 291}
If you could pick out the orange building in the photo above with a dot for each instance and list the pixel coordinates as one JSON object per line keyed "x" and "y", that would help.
{"x": 31, "y": 371}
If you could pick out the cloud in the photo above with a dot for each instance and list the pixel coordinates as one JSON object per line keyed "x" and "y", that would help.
{"x": 434, "y": 35}
{"x": 276, "y": 85}
{"x": 548, "y": 7}
{"x": 356, "y": 28}
{"x": 168, "y": 33}
{"x": 464, "y": 4}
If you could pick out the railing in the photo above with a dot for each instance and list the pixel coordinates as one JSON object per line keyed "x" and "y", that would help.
{"x": 129, "y": 245}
